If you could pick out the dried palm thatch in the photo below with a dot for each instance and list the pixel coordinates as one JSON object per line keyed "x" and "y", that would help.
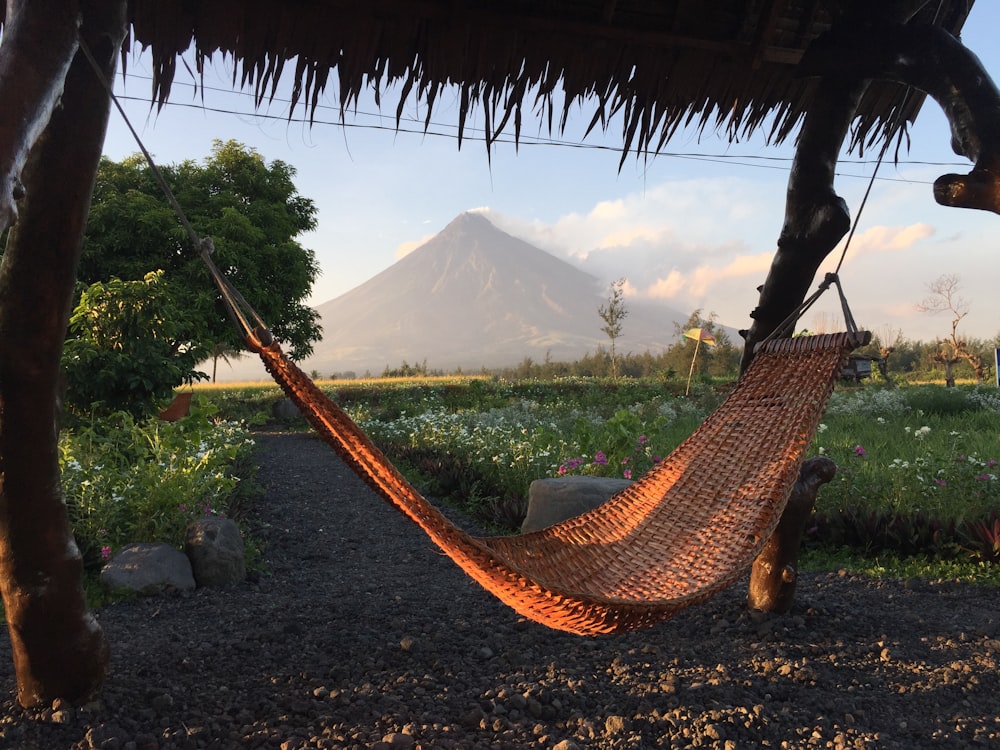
{"x": 651, "y": 65}
{"x": 658, "y": 65}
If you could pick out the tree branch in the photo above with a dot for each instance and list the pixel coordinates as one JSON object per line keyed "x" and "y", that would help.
{"x": 935, "y": 62}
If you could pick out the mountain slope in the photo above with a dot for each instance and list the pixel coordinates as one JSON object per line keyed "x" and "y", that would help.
{"x": 474, "y": 296}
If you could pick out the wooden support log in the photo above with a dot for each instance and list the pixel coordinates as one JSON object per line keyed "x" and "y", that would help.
{"x": 39, "y": 41}
{"x": 816, "y": 218}
{"x": 935, "y": 62}
{"x": 58, "y": 648}
{"x": 774, "y": 575}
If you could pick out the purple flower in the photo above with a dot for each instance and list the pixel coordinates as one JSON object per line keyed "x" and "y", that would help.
{"x": 991, "y": 463}
{"x": 600, "y": 458}
{"x": 105, "y": 553}
{"x": 627, "y": 473}
{"x": 940, "y": 483}
{"x": 561, "y": 470}
{"x": 643, "y": 439}
{"x": 859, "y": 451}
{"x": 984, "y": 477}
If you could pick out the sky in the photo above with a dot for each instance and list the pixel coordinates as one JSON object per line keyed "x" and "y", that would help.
{"x": 693, "y": 228}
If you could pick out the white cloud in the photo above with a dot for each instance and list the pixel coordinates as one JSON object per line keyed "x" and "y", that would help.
{"x": 408, "y": 247}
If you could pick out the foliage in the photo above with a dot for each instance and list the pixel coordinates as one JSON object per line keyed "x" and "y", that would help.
{"x": 890, "y": 565}
{"x": 900, "y": 489}
{"x": 126, "y": 480}
{"x": 911, "y": 479}
{"x": 126, "y": 349}
{"x": 253, "y": 213}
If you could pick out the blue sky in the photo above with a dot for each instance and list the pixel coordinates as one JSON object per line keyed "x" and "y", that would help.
{"x": 694, "y": 228}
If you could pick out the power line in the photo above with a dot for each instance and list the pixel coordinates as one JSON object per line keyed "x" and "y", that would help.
{"x": 442, "y": 130}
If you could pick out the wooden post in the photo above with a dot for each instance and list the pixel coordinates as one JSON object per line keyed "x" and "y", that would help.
{"x": 59, "y": 649}
{"x": 775, "y": 571}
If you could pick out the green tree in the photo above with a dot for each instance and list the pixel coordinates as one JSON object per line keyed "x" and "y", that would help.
{"x": 720, "y": 360}
{"x": 126, "y": 347}
{"x": 253, "y": 213}
{"x": 613, "y": 314}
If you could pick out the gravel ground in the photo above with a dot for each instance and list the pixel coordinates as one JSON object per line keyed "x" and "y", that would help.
{"x": 361, "y": 634}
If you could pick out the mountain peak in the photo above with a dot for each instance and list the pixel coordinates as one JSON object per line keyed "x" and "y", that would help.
{"x": 472, "y": 296}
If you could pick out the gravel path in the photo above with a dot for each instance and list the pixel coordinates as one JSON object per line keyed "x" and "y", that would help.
{"x": 361, "y": 634}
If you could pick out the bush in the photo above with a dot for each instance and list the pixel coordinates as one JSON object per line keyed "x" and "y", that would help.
{"x": 123, "y": 353}
{"x": 128, "y": 481}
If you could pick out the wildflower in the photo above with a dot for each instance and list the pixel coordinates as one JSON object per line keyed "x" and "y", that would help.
{"x": 627, "y": 473}
{"x": 822, "y": 451}
{"x": 940, "y": 483}
{"x": 105, "y": 553}
{"x": 880, "y": 420}
{"x": 643, "y": 439}
{"x": 859, "y": 451}
{"x": 821, "y": 428}
{"x": 985, "y": 477}
{"x": 959, "y": 459}
{"x": 922, "y": 432}
{"x": 625, "y": 461}
{"x": 561, "y": 470}
{"x": 600, "y": 458}
{"x": 991, "y": 463}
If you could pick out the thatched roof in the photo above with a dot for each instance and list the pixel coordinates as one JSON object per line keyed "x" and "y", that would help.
{"x": 659, "y": 64}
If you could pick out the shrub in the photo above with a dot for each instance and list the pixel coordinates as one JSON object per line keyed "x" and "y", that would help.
{"x": 130, "y": 481}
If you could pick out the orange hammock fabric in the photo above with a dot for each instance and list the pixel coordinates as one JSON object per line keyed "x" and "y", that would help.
{"x": 688, "y": 529}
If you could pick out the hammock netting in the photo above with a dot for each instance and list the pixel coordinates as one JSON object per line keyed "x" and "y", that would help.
{"x": 686, "y": 530}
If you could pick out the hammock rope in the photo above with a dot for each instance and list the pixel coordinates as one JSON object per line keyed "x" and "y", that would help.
{"x": 683, "y": 532}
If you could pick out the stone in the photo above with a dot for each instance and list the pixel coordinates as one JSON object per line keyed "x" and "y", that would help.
{"x": 215, "y": 548}
{"x": 285, "y": 411}
{"x": 553, "y": 500}
{"x": 148, "y": 569}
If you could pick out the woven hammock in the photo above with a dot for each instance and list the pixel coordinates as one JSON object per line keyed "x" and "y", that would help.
{"x": 688, "y": 529}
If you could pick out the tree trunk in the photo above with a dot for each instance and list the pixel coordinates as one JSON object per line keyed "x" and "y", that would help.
{"x": 59, "y": 650}
{"x": 775, "y": 571}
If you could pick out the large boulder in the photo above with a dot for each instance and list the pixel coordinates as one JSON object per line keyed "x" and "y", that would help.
{"x": 215, "y": 548}
{"x": 149, "y": 568}
{"x": 285, "y": 410}
{"x": 553, "y": 500}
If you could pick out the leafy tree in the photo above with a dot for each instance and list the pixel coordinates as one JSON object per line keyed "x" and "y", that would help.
{"x": 126, "y": 349}
{"x": 613, "y": 314}
{"x": 722, "y": 359}
{"x": 253, "y": 213}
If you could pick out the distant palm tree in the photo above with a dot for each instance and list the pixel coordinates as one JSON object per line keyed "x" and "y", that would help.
{"x": 227, "y": 353}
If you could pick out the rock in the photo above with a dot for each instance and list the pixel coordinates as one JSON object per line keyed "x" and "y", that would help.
{"x": 285, "y": 411}
{"x": 148, "y": 569}
{"x": 553, "y": 500}
{"x": 215, "y": 548}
